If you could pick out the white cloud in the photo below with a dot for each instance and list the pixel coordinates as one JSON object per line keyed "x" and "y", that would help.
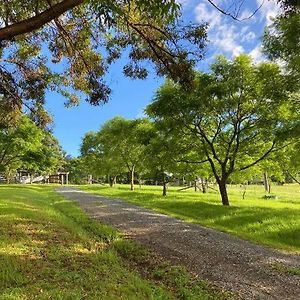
{"x": 268, "y": 10}
{"x": 205, "y": 14}
{"x": 224, "y": 37}
{"x": 247, "y": 14}
{"x": 248, "y": 37}
{"x": 257, "y": 54}
{"x": 182, "y": 2}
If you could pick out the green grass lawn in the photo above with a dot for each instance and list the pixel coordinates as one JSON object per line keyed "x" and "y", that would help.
{"x": 271, "y": 222}
{"x": 49, "y": 249}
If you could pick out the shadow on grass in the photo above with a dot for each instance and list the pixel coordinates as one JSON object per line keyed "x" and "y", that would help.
{"x": 65, "y": 255}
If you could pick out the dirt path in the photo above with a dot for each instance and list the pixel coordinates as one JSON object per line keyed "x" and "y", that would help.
{"x": 227, "y": 261}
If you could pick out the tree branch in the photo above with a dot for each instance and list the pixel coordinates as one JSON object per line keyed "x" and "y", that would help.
{"x": 292, "y": 176}
{"x": 235, "y": 17}
{"x": 38, "y": 21}
{"x": 260, "y": 159}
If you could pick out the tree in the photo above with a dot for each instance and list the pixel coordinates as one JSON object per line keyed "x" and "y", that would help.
{"x": 25, "y": 145}
{"x": 123, "y": 141}
{"x": 77, "y": 169}
{"x": 236, "y": 115}
{"x": 17, "y": 142}
{"x": 100, "y": 157}
{"x": 282, "y": 38}
{"x": 47, "y": 158}
{"x": 159, "y": 155}
{"x": 85, "y": 37}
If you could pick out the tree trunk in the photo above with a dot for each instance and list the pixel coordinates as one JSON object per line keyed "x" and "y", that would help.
{"x": 203, "y": 185}
{"x": 164, "y": 186}
{"x": 110, "y": 181}
{"x": 244, "y": 191}
{"x": 196, "y": 185}
{"x": 266, "y": 183}
{"x": 132, "y": 179}
{"x": 223, "y": 192}
{"x": 114, "y": 180}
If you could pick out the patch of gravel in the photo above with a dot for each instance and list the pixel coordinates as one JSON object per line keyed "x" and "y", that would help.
{"x": 228, "y": 262}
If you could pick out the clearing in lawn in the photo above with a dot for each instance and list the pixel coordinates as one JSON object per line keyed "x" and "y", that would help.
{"x": 49, "y": 249}
{"x": 271, "y": 222}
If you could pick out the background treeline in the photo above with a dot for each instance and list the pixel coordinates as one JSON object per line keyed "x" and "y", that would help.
{"x": 237, "y": 122}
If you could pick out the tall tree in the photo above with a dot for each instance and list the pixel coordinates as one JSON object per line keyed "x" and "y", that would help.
{"x": 237, "y": 115}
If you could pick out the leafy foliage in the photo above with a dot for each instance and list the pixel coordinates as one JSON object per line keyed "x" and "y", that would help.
{"x": 118, "y": 146}
{"x": 281, "y": 41}
{"x": 236, "y": 115}
{"x": 29, "y": 147}
{"x": 69, "y": 52}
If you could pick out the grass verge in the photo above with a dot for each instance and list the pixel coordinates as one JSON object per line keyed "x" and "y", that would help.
{"x": 271, "y": 222}
{"x": 49, "y": 249}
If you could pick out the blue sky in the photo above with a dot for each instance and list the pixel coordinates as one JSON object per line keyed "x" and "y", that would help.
{"x": 129, "y": 97}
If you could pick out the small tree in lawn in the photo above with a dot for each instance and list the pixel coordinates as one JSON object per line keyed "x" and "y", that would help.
{"x": 126, "y": 140}
{"x": 237, "y": 114}
{"x": 77, "y": 169}
{"x": 100, "y": 157}
{"x": 160, "y": 155}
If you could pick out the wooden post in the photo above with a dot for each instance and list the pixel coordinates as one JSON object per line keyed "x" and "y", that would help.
{"x": 67, "y": 178}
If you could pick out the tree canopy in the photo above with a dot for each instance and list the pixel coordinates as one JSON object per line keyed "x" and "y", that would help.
{"x": 118, "y": 146}
{"x": 282, "y": 38}
{"x": 236, "y": 115}
{"x": 67, "y": 46}
{"x": 26, "y": 146}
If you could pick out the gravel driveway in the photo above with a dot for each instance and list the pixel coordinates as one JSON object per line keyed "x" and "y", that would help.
{"x": 227, "y": 261}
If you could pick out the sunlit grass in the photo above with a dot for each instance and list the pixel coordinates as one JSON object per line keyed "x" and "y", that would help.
{"x": 272, "y": 222}
{"x": 49, "y": 249}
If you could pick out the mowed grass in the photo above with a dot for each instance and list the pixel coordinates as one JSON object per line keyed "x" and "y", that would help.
{"x": 272, "y": 222}
{"x": 49, "y": 249}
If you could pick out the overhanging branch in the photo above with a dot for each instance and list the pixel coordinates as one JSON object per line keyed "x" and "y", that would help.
{"x": 38, "y": 21}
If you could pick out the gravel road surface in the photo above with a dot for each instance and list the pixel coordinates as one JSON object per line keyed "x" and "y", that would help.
{"x": 227, "y": 261}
